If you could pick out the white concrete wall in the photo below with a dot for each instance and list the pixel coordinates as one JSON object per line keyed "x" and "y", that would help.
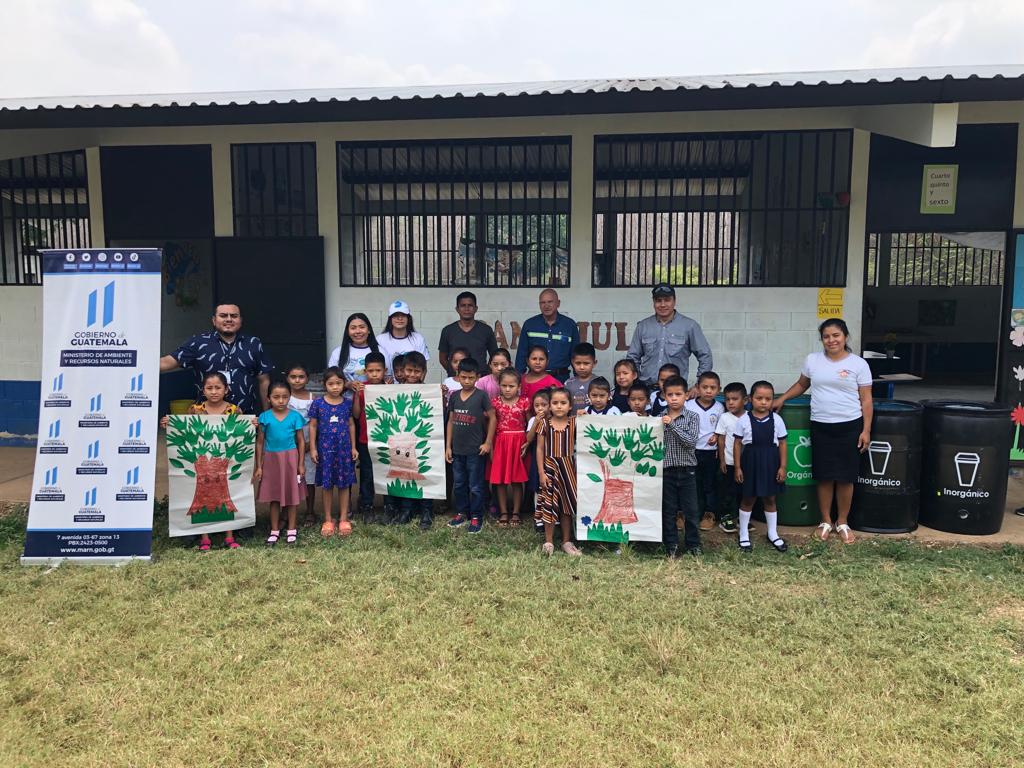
{"x": 754, "y": 332}
{"x": 21, "y": 332}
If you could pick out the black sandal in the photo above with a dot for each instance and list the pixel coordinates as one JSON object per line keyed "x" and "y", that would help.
{"x": 746, "y": 547}
{"x": 779, "y": 544}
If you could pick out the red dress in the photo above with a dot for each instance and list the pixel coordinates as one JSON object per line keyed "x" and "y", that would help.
{"x": 529, "y": 390}
{"x": 507, "y": 463}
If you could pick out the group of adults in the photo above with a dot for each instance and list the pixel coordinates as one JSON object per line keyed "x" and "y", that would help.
{"x": 839, "y": 380}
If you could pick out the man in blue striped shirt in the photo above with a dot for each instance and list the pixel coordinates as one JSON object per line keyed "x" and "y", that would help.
{"x": 555, "y": 332}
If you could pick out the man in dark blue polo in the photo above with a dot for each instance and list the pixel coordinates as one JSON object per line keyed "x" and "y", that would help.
{"x": 555, "y": 332}
{"x": 239, "y": 357}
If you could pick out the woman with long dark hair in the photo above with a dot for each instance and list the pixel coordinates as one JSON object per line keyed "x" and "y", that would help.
{"x": 356, "y": 343}
{"x": 841, "y": 412}
{"x": 400, "y": 336}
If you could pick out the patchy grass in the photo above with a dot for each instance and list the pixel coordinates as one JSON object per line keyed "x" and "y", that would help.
{"x": 397, "y": 648}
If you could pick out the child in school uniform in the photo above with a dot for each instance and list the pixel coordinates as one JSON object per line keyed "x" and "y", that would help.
{"x": 584, "y": 358}
{"x": 626, "y": 374}
{"x": 658, "y": 402}
{"x": 735, "y": 406}
{"x": 300, "y": 400}
{"x": 375, "y": 365}
{"x": 679, "y": 484}
{"x": 759, "y": 446}
{"x": 398, "y": 368}
{"x": 599, "y": 394}
{"x": 708, "y": 411}
{"x": 638, "y": 401}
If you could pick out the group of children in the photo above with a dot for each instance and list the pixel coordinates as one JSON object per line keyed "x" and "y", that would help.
{"x": 509, "y": 436}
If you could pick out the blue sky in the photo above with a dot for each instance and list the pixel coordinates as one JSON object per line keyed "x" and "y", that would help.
{"x": 58, "y": 47}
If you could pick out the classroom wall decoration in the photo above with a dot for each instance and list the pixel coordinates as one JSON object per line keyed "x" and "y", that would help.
{"x": 618, "y": 476}
{"x": 210, "y": 465}
{"x": 406, "y": 439}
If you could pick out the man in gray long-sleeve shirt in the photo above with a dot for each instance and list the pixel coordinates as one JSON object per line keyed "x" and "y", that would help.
{"x": 668, "y": 337}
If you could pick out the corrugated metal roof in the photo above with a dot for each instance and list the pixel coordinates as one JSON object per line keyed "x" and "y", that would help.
{"x": 553, "y": 87}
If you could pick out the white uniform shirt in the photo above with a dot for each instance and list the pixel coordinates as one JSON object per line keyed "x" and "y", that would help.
{"x": 745, "y": 430}
{"x": 834, "y": 387}
{"x": 725, "y": 431}
{"x": 708, "y": 418}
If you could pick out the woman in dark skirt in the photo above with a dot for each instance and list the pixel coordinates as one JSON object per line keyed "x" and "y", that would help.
{"x": 841, "y": 411}
{"x": 759, "y": 453}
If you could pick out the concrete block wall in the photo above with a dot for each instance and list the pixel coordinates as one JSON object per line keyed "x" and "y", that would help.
{"x": 21, "y": 333}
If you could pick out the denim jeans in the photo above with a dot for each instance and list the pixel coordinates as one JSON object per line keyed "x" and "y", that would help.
{"x": 468, "y": 484}
{"x": 708, "y": 474}
{"x": 679, "y": 494}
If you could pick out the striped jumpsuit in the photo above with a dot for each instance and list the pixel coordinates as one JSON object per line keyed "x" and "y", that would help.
{"x": 559, "y": 498}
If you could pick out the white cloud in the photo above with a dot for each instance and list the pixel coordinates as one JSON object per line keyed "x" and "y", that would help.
{"x": 951, "y": 32}
{"x": 104, "y": 46}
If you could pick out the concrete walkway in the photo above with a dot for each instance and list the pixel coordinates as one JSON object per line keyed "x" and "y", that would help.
{"x": 16, "y": 486}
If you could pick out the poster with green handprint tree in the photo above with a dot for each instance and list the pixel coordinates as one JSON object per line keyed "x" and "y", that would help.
{"x": 405, "y": 430}
{"x": 618, "y": 478}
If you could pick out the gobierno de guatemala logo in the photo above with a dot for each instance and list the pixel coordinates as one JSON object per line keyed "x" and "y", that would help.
{"x": 134, "y": 443}
{"x": 131, "y": 490}
{"x": 57, "y": 398}
{"x": 99, "y": 342}
{"x": 90, "y": 511}
{"x": 53, "y": 442}
{"x": 50, "y": 490}
{"x": 136, "y": 396}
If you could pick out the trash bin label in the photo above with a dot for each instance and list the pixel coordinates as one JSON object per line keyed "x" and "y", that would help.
{"x": 798, "y": 460}
{"x": 883, "y": 466}
{"x": 966, "y": 473}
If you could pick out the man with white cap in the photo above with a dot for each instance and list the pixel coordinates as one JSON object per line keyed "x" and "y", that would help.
{"x": 399, "y": 335}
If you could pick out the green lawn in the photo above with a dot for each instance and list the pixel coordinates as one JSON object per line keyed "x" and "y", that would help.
{"x": 398, "y": 648}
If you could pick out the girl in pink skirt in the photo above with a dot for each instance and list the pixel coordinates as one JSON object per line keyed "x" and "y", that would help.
{"x": 280, "y": 461}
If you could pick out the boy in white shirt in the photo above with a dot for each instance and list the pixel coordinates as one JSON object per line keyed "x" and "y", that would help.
{"x": 599, "y": 393}
{"x": 708, "y": 411}
{"x": 735, "y": 406}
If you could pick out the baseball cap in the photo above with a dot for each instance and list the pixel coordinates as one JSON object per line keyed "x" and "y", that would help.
{"x": 399, "y": 306}
{"x": 662, "y": 289}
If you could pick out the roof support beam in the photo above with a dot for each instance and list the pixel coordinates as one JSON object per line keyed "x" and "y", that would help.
{"x": 930, "y": 125}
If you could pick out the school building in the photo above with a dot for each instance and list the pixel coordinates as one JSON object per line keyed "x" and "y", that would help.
{"x": 899, "y": 191}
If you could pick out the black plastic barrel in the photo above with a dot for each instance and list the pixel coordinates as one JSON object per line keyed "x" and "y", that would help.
{"x": 966, "y": 464}
{"x": 887, "y": 496}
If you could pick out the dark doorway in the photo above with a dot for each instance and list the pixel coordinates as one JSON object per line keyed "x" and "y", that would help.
{"x": 278, "y": 283}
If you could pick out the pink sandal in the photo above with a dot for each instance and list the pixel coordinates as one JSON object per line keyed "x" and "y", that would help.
{"x": 344, "y": 528}
{"x": 230, "y": 543}
{"x": 204, "y": 545}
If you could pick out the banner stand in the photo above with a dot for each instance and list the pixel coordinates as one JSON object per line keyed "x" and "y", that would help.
{"x": 95, "y": 470}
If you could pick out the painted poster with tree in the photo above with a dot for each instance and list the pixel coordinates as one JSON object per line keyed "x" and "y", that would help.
{"x": 618, "y": 477}
{"x": 210, "y": 463}
{"x": 406, "y": 439}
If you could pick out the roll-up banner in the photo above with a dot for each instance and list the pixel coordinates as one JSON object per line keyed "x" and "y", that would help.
{"x": 92, "y": 492}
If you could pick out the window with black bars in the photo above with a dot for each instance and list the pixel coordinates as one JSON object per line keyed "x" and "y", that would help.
{"x": 722, "y": 209}
{"x": 274, "y": 190}
{"x": 935, "y": 258}
{"x": 481, "y": 212}
{"x": 44, "y": 203}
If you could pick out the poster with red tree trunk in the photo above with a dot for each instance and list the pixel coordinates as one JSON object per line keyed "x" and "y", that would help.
{"x": 210, "y": 463}
{"x": 618, "y": 478}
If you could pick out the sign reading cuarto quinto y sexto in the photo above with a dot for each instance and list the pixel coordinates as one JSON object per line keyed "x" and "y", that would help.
{"x": 92, "y": 492}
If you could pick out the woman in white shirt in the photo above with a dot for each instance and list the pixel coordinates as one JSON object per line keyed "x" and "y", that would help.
{"x": 841, "y": 412}
{"x": 356, "y": 343}
{"x": 400, "y": 335}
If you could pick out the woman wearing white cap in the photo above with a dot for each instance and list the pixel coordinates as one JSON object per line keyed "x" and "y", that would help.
{"x": 399, "y": 335}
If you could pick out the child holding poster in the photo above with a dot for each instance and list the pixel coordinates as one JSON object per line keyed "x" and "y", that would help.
{"x": 280, "y": 462}
{"x": 215, "y": 389}
{"x": 332, "y": 438}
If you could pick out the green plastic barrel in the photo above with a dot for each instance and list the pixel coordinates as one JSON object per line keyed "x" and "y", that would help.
{"x": 799, "y": 504}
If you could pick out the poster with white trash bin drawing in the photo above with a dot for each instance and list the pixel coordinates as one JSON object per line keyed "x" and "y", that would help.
{"x": 618, "y": 478}
{"x": 405, "y": 428}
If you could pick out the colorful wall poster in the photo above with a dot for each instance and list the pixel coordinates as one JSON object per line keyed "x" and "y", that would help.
{"x": 406, "y": 439}
{"x": 209, "y": 465}
{"x": 618, "y": 478}
{"x": 92, "y": 490}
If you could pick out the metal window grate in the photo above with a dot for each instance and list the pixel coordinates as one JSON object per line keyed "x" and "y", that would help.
{"x": 484, "y": 212}
{"x": 722, "y": 209}
{"x": 274, "y": 190}
{"x": 934, "y": 259}
{"x": 44, "y": 203}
